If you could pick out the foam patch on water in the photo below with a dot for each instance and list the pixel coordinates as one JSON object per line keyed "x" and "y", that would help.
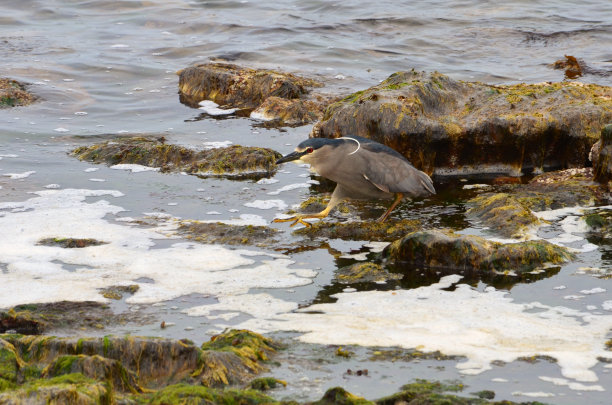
{"x": 216, "y": 145}
{"x": 289, "y": 187}
{"x": 482, "y": 326}
{"x": 256, "y": 305}
{"x": 134, "y": 168}
{"x": 267, "y": 204}
{"x": 212, "y": 108}
{"x": 34, "y": 273}
{"x": 17, "y": 176}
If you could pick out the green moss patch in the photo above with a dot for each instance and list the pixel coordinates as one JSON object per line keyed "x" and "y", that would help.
{"x": 361, "y": 230}
{"x": 217, "y": 232}
{"x": 366, "y": 272}
{"x": 503, "y": 214}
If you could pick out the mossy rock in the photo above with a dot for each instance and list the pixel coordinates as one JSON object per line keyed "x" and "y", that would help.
{"x": 65, "y": 389}
{"x": 339, "y": 396}
{"x": 95, "y": 367}
{"x": 23, "y": 322}
{"x": 602, "y": 163}
{"x": 232, "y": 161}
{"x": 70, "y": 243}
{"x": 361, "y": 230}
{"x": 116, "y": 292}
{"x": 184, "y": 394}
{"x": 10, "y": 362}
{"x": 13, "y": 94}
{"x": 503, "y": 214}
{"x": 217, "y": 232}
{"x": 456, "y": 128}
{"x": 266, "y": 383}
{"x": 448, "y": 250}
{"x": 600, "y": 223}
{"x": 366, "y": 272}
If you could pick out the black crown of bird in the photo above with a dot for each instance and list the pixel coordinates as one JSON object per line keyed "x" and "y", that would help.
{"x": 362, "y": 169}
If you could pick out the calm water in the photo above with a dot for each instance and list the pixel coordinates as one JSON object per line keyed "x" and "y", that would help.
{"x": 108, "y": 67}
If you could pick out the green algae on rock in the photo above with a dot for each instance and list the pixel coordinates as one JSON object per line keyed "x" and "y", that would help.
{"x": 13, "y": 94}
{"x": 446, "y": 249}
{"x": 600, "y": 223}
{"x": 65, "y": 389}
{"x": 231, "y": 161}
{"x": 449, "y": 127}
{"x": 116, "y": 292}
{"x": 281, "y": 97}
{"x": 503, "y": 214}
{"x": 366, "y": 272}
{"x": 361, "y": 230}
{"x": 217, "y": 232}
{"x": 266, "y": 383}
{"x": 70, "y": 243}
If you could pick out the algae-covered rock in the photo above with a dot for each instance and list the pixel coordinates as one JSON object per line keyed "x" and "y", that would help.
{"x": 234, "y": 357}
{"x": 280, "y": 97}
{"x": 10, "y": 362}
{"x": 24, "y": 322}
{"x": 95, "y": 367}
{"x": 116, "y": 292}
{"x": 184, "y": 394}
{"x": 366, "y": 272}
{"x": 340, "y": 396}
{"x": 65, "y": 389}
{"x": 266, "y": 383}
{"x": 70, "y": 243}
{"x": 451, "y": 127}
{"x": 13, "y": 94}
{"x": 602, "y": 163}
{"x": 446, "y": 249}
{"x": 502, "y": 213}
{"x": 231, "y": 161}
{"x": 217, "y": 232}
{"x": 600, "y": 223}
{"x": 361, "y": 230}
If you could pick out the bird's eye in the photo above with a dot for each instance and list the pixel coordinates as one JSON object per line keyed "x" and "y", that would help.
{"x": 309, "y": 150}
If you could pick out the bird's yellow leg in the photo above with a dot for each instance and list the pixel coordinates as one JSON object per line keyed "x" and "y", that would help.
{"x": 300, "y": 218}
{"x": 398, "y": 198}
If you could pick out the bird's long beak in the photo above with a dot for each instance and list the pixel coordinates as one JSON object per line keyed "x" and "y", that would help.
{"x": 290, "y": 157}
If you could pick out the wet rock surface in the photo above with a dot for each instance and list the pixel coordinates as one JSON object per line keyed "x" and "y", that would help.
{"x": 446, "y": 249}
{"x": 274, "y": 96}
{"x": 217, "y": 232}
{"x": 448, "y": 127}
{"x": 502, "y": 213}
{"x": 232, "y": 161}
{"x": 360, "y": 230}
{"x": 367, "y": 272}
{"x": 14, "y": 94}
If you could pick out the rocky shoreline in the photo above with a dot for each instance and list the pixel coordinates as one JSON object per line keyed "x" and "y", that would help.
{"x": 448, "y": 128}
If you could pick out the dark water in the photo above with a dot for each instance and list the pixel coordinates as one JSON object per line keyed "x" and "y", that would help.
{"x": 103, "y": 68}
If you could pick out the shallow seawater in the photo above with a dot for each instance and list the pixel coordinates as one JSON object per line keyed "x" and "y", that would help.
{"x": 107, "y": 68}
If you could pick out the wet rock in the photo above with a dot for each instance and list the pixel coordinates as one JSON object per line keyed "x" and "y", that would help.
{"x": 266, "y": 383}
{"x": 409, "y": 355}
{"x": 217, "y": 232}
{"x": 116, "y": 292}
{"x": 64, "y": 317}
{"x": 294, "y": 112}
{"x": 340, "y": 396}
{"x": 282, "y": 97}
{"x": 425, "y": 392}
{"x": 70, "y": 242}
{"x": 66, "y": 389}
{"x": 602, "y": 163}
{"x": 503, "y": 214}
{"x": 234, "y": 357}
{"x": 199, "y": 395}
{"x": 361, "y": 230}
{"x": 13, "y": 94}
{"x": 94, "y": 367}
{"x": 600, "y": 223}
{"x": 451, "y": 127}
{"x": 448, "y": 250}
{"x": 367, "y": 272}
{"x": 232, "y": 161}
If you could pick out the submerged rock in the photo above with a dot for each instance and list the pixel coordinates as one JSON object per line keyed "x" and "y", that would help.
{"x": 217, "y": 232}
{"x": 448, "y": 250}
{"x": 361, "y": 230}
{"x": 70, "y": 243}
{"x": 503, "y": 214}
{"x": 281, "y": 97}
{"x": 13, "y": 94}
{"x": 367, "y": 272}
{"x": 448, "y": 127}
{"x": 231, "y": 161}
{"x": 602, "y": 156}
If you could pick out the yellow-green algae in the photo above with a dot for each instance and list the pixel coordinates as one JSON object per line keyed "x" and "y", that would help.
{"x": 367, "y": 272}
{"x": 503, "y": 214}
{"x": 234, "y": 160}
{"x": 13, "y": 94}
{"x": 361, "y": 230}
{"x": 217, "y": 232}
{"x": 70, "y": 242}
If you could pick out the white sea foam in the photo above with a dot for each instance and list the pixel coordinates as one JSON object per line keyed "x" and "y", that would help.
{"x": 217, "y": 145}
{"x": 537, "y": 394}
{"x": 267, "y": 204}
{"x": 34, "y": 272}
{"x": 134, "y": 168}
{"x": 17, "y": 176}
{"x": 571, "y": 384}
{"x": 267, "y": 181}
{"x": 212, "y": 108}
{"x": 289, "y": 187}
{"x": 482, "y": 326}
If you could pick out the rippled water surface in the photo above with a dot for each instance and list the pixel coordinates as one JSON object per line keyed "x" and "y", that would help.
{"x": 106, "y": 68}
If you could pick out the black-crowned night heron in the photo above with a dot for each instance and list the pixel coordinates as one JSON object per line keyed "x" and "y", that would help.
{"x": 362, "y": 169}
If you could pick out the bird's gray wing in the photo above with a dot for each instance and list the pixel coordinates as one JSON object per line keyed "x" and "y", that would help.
{"x": 392, "y": 173}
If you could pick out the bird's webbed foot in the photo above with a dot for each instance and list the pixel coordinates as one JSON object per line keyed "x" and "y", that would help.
{"x": 298, "y": 219}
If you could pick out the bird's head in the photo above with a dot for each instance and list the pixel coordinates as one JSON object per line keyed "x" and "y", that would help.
{"x": 310, "y": 150}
